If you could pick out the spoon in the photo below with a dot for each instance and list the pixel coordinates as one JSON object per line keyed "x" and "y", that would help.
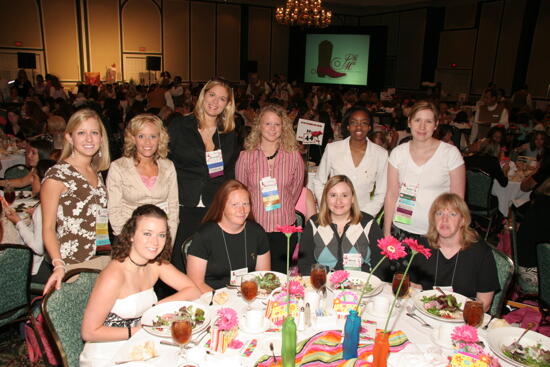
{"x": 273, "y": 352}
{"x": 212, "y": 299}
{"x": 516, "y": 343}
{"x": 487, "y": 325}
{"x": 441, "y": 291}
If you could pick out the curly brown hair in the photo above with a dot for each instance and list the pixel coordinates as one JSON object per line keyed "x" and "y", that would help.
{"x": 123, "y": 243}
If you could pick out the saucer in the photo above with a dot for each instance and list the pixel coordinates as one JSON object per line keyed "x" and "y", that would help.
{"x": 244, "y": 328}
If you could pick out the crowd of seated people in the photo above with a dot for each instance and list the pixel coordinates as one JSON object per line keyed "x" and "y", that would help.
{"x": 220, "y": 163}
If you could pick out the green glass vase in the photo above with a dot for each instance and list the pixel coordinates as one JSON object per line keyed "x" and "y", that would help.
{"x": 288, "y": 351}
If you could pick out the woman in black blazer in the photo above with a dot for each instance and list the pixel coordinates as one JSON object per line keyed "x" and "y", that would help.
{"x": 204, "y": 149}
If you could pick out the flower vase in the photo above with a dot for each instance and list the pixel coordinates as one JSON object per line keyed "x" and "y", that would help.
{"x": 381, "y": 349}
{"x": 351, "y": 335}
{"x": 288, "y": 351}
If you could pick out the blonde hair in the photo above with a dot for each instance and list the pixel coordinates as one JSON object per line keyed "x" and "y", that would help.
{"x": 135, "y": 125}
{"x": 101, "y": 159}
{"x": 324, "y": 212}
{"x": 421, "y": 106}
{"x": 452, "y": 202}
{"x": 226, "y": 119}
{"x": 288, "y": 138}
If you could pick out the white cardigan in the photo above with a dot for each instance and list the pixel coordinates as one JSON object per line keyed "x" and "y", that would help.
{"x": 337, "y": 160}
{"x": 127, "y": 191}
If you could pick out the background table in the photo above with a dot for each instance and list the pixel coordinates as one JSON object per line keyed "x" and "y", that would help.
{"x": 416, "y": 353}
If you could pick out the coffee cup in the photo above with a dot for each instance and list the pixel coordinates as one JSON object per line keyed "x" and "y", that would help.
{"x": 254, "y": 320}
{"x": 443, "y": 334}
{"x": 380, "y": 305}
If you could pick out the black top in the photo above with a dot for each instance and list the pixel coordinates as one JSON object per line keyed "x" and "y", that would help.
{"x": 188, "y": 153}
{"x": 208, "y": 244}
{"x": 487, "y": 164}
{"x": 533, "y": 231}
{"x": 476, "y": 270}
{"x": 323, "y": 245}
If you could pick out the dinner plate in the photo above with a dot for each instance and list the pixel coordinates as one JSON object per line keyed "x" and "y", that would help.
{"x": 420, "y": 305}
{"x": 171, "y": 307}
{"x": 264, "y": 294}
{"x": 505, "y": 336}
{"x": 357, "y": 277}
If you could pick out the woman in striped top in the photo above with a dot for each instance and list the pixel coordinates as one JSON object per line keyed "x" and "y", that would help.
{"x": 273, "y": 170}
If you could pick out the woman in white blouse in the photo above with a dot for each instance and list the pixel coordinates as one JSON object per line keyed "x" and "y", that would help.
{"x": 358, "y": 158}
{"x": 143, "y": 175}
{"x": 418, "y": 172}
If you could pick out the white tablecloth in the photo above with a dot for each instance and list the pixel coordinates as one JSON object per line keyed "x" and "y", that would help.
{"x": 508, "y": 195}
{"x": 422, "y": 351}
{"x": 11, "y": 160}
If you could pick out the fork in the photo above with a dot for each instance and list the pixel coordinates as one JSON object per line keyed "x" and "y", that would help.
{"x": 136, "y": 360}
{"x": 412, "y": 315}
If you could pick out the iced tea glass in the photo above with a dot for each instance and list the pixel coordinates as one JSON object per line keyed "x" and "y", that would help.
{"x": 249, "y": 289}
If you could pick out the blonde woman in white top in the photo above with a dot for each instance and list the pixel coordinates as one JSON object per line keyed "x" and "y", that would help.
{"x": 143, "y": 175}
{"x": 418, "y": 172}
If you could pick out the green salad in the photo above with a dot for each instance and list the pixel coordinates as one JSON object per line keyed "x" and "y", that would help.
{"x": 535, "y": 355}
{"x": 268, "y": 282}
{"x": 185, "y": 312}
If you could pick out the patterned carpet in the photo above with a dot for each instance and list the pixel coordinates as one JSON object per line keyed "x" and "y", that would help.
{"x": 13, "y": 350}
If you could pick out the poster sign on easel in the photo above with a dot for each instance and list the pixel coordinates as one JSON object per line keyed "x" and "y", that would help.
{"x": 310, "y": 132}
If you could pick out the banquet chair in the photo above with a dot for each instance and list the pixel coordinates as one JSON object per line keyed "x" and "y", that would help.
{"x": 543, "y": 264}
{"x": 17, "y": 171}
{"x": 63, "y": 310}
{"x": 184, "y": 248}
{"x": 478, "y": 196}
{"x": 16, "y": 263}
{"x": 300, "y": 222}
{"x": 505, "y": 271}
{"x": 524, "y": 288}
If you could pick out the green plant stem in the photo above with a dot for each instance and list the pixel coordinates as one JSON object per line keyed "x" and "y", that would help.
{"x": 368, "y": 282}
{"x": 288, "y": 273}
{"x": 399, "y": 290}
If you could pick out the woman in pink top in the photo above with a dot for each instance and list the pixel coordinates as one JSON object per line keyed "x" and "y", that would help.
{"x": 272, "y": 169}
{"x": 143, "y": 175}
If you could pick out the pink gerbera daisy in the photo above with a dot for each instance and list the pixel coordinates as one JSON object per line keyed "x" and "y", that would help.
{"x": 391, "y": 247}
{"x": 416, "y": 247}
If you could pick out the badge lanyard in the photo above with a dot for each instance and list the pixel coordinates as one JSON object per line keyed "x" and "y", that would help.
{"x": 227, "y": 251}
{"x": 406, "y": 202}
{"x": 101, "y": 227}
{"x": 214, "y": 160}
{"x": 269, "y": 191}
{"x": 437, "y": 266}
{"x": 350, "y": 261}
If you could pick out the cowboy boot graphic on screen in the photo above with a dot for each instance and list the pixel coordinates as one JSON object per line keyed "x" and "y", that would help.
{"x": 325, "y": 55}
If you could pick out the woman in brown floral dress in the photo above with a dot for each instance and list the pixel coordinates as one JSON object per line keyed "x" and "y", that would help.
{"x": 74, "y": 198}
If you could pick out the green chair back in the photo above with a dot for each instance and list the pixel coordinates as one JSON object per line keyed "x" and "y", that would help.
{"x": 63, "y": 310}
{"x": 15, "y": 264}
{"x": 184, "y": 248}
{"x": 478, "y": 191}
{"x": 505, "y": 270}
{"x": 300, "y": 222}
{"x": 524, "y": 286}
{"x": 17, "y": 171}
{"x": 543, "y": 263}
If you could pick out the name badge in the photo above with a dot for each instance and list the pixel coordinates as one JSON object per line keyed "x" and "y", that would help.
{"x": 405, "y": 204}
{"x": 352, "y": 261}
{"x": 101, "y": 228}
{"x": 448, "y": 289}
{"x": 214, "y": 161}
{"x": 236, "y": 276}
{"x": 270, "y": 193}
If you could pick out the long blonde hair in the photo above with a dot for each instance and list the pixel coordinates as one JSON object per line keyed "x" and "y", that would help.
{"x": 226, "y": 119}
{"x": 452, "y": 202}
{"x": 135, "y": 125}
{"x": 324, "y": 212}
{"x": 100, "y": 160}
{"x": 288, "y": 138}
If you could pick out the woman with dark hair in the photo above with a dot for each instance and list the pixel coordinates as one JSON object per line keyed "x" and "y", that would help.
{"x": 204, "y": 149}
{"x": 124, "y": 289}
{"x": 486, "y": 159}
{"x": 357, "y": 157}
{"x": 461, "y": 262}
{"x": 535, "y": 148}
{"x": 229, "y": 243}
{"x": 35, "y": 150}
{"x": 341, "y": 236}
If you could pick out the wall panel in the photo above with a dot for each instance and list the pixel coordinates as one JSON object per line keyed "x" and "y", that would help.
{"x": 456, "y": 47}
{"x": 279, "y": 49}
{"x": 487, "y": 41}
{"x": 203, "y": 41}
{"x": 176, "y": 38}
{"x": 461, "y": 15}
{"x": 24, "y": 27}
{"x": 538, "y": 75}
{"x": 141, "y": 27}
{"x": 259, "y": 30}
{"x": 229, "y": 42}
{"x": 412, "y": 26}
{"x": 61, "y": 39}
{"x": 104, "y": 35}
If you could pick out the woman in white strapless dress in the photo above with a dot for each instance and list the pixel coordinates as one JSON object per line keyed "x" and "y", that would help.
{"x": 124, "y": 289}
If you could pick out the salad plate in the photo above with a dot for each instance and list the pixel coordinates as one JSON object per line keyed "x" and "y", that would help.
{"x": 356, "y": 281}
{"x": 533, "y": 348}
{"x": 443, "y": 308}
{"x": 268, "y": 281}
{"x": 160, "y": 317}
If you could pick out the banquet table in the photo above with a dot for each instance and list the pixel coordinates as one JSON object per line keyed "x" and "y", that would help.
{"x": 10, "y": 160}
{"x": 10, "y": 233}
{"x": 421, "y": 351}
{"x": 510, "y": 194}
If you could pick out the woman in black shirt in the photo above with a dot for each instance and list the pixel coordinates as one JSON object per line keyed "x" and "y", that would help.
{"x": 229, "y": 243}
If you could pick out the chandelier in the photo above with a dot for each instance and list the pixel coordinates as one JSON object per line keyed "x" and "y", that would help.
{"x": 308, "y": 13}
